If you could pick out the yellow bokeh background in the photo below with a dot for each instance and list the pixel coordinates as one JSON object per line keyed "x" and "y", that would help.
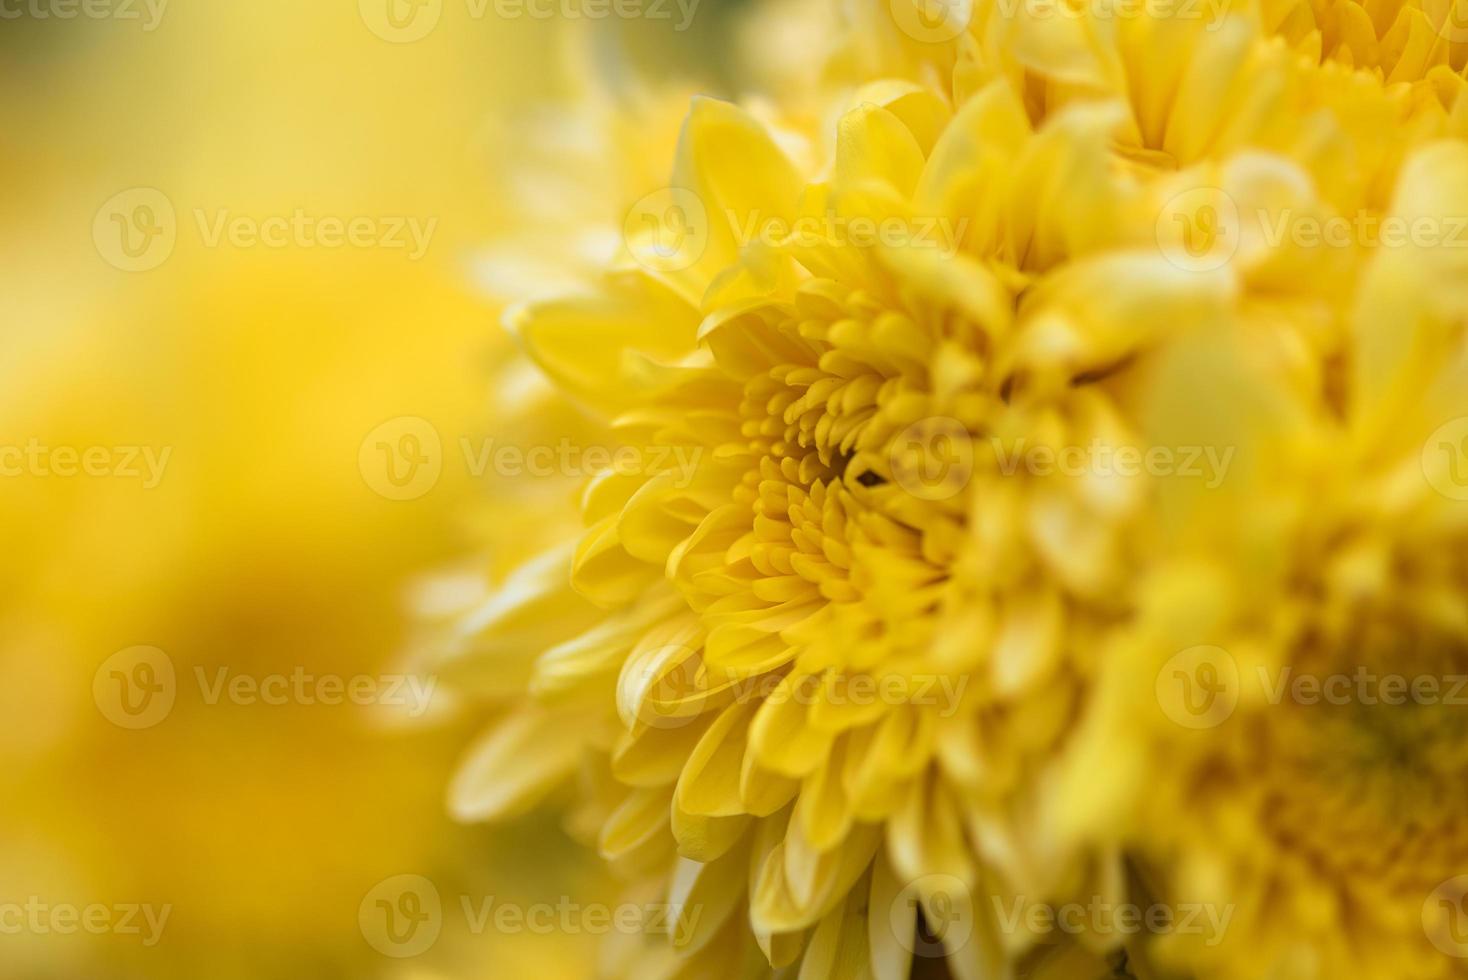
{"x": 262, "y": 549}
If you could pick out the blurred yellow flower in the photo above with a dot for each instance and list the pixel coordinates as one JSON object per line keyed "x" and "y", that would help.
{"x": 253, "y": 544}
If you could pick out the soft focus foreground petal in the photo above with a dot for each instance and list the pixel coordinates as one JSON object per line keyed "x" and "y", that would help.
{"x": 514, "y": 764}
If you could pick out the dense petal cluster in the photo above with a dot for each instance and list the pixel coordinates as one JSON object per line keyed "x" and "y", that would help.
{"x": 1000, "y": 426}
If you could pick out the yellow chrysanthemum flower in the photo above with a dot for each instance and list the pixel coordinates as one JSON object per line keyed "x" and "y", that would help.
{"x": 1308, "y": 647}
{"x": 955, "y": 406}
